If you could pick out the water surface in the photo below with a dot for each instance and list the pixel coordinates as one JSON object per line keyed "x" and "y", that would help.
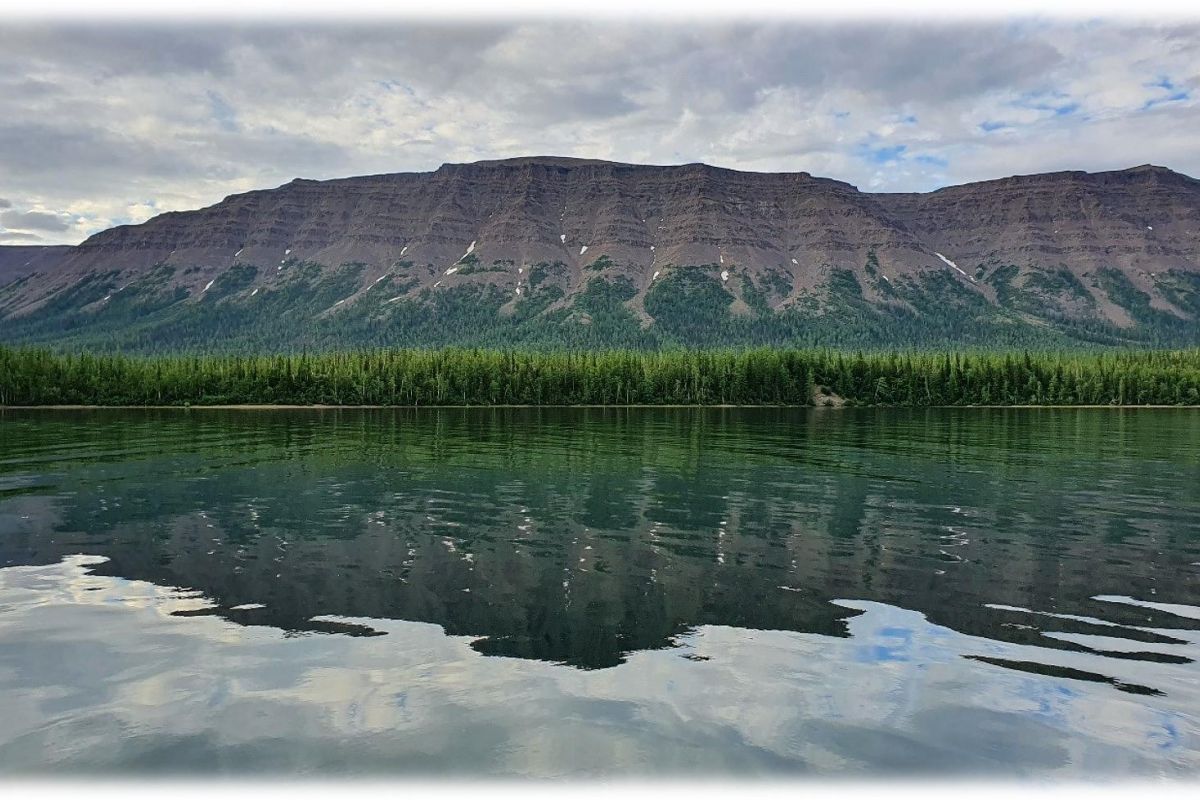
{"x": 566, "y": 592}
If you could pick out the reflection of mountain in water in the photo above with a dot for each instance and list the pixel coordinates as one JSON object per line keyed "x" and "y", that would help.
{"x": 578, "y": 536}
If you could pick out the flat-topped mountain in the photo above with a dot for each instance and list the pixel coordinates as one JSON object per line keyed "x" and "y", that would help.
{"x": 576, "y": 252}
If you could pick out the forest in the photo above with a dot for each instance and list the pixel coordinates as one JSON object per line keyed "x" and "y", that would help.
{"x": 686, "y": 307}
{"x": 427, "y": 377}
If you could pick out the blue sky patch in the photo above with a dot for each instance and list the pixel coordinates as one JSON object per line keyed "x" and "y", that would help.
{"x": 883, "y": 154}
{"x": 1060, "y": 103}
{"x": 222, "y": 112}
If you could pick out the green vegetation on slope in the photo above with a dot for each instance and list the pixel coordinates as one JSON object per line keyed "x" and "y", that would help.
{"x": 307, "y": 307}
{"x": 493, "y": 377}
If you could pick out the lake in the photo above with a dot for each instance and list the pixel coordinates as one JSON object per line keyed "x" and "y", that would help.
{"x": 601, "y": 592}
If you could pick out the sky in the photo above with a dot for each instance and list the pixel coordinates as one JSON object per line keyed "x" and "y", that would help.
{"x": 113, "y": 122}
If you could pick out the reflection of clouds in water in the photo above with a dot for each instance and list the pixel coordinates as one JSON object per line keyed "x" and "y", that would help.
{"x": 96, "y": 672}
{"x": 71, "y": 583}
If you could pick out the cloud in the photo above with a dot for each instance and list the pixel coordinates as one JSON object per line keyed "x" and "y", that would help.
{"x": 120, "y": 121}
{"x": 5, "y": 203}
{"x": 16, "y": 237}
{"x": 35, "y": 220}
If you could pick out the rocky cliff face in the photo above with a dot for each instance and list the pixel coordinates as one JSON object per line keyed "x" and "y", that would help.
{"x": 1114, "y": 248}
{"x": 1141, "y": 217}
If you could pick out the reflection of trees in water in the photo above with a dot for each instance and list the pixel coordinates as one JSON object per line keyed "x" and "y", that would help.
{"x": 581, "y": 535}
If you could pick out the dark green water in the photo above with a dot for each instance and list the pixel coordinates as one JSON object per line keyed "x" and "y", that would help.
{"x": 601, "y": 592}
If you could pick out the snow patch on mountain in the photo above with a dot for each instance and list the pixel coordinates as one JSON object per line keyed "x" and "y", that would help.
{"x": 951, "y": 263}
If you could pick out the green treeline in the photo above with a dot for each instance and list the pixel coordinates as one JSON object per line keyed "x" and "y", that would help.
{"x": 688, "y": 377}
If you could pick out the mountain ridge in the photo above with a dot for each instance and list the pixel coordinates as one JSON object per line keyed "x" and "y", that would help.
{"x": 1114, "y": 254}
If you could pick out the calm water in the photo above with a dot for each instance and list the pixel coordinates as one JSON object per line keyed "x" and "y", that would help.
{"x": 565, "y": 592}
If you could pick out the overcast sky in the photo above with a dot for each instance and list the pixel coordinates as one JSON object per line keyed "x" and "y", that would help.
{"x": 113, "y": 123}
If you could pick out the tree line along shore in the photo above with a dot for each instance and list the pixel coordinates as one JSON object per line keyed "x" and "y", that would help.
{"x": 675, "y": 377}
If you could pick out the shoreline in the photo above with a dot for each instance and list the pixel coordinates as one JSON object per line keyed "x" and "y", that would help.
{"x": 325, "y": 407}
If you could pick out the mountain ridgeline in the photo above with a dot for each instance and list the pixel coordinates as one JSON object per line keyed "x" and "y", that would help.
{"x": 557, "y": 253}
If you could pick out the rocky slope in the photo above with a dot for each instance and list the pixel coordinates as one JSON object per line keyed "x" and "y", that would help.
{"x": 1108, "y": 256}
{"x": 17, "y": 261}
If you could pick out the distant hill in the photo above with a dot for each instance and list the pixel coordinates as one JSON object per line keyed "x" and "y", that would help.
{"x": 550, "y": 252}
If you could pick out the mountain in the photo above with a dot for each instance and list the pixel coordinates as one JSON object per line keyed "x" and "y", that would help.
{"x": 17, "y": 261}
{"x": 548, "y": 251}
